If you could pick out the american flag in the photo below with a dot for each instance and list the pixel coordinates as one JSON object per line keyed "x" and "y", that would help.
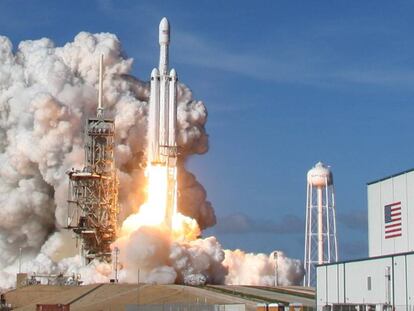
{"x": 392, "y": 217}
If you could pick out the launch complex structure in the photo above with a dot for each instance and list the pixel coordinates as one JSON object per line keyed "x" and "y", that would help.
{"x": 93, "y": 190}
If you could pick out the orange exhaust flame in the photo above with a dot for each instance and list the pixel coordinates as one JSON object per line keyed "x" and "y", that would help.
{"x": 153, "y": 212}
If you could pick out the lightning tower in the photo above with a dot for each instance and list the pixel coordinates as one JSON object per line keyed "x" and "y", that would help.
{"x": 162, "y": 137}
{"x": 320, "y": 237}
{"x": 93, "y": 191}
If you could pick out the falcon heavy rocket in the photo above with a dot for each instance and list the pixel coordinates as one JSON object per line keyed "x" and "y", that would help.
{"x": 162, "y": 136}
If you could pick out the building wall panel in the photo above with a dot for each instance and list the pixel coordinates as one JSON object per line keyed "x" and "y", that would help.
{"x": 399, "y": 188}
{"x": 374, "y": 219}
{"x": 410, "y": 211}
{"x": 356, "y": 281}
{"x": 387, "y": 197}
{"x": 332, "y": 277}
{"x": 368, "y": 282}
{"x": 410, "y": 279}
{"x": 341, "y": 282}
{"x": 321, "y": 285}
{"x": 399, "y": 281}
{"x": 400, "y": 195}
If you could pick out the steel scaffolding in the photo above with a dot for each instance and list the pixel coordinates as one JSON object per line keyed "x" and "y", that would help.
{"x": 93, "y": 191}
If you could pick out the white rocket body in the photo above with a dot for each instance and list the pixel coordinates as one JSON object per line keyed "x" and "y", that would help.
{"x": 163, "y": 104}
{"x": 162, "y": 132}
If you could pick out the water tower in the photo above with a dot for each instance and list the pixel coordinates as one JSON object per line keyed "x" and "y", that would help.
{"x": 320, "y": 236}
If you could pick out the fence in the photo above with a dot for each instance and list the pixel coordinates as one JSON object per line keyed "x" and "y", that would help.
{"x": 186, "y": 307}
{"x": 365, "y": 307}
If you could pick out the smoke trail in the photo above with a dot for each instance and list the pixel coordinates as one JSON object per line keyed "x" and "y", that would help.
{"x": 46, "y": 95}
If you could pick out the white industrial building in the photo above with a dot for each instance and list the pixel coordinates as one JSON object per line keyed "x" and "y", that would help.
{"x": 386, "y": 278}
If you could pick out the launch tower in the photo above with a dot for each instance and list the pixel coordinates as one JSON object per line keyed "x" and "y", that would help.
{"x": 320, "y": 237}
{"x": 93, "y": 191}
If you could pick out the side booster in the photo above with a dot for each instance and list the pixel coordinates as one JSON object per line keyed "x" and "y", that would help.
{"x": 163, "y": 105}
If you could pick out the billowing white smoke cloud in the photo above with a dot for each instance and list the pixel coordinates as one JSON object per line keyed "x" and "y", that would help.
{"x": 152, "y": 251}
{"x": 259, "y": 269}
{"x": 162, "y": 260}
{"x": 46, "y": 94}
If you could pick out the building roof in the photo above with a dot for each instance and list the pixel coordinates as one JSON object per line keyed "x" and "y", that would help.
{"x": 366, "y": 258}
{"x": 391, "y": 176}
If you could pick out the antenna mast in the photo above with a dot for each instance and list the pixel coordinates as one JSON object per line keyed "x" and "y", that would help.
{"x": 100, "y": 109}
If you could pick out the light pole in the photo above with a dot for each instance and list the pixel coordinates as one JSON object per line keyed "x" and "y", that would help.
{"x": 116, "y": 263}
{"x": 20, "y": 260}
{"x": 275, "y": 256}
{"x": 388, "y": 282}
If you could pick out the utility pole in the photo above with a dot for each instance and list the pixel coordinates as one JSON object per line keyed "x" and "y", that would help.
{"x": 388, "y": 281}
{"x": 20, "y": 260}
{"x": 138, "y": 291}
{"x": 275, "y": 256}
{"x": 116, "y": 263}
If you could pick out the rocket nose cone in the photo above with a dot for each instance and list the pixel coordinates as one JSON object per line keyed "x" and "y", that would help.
{"x": 173, "y": 73}
{"x": 164, "y": 31}
{"x": 154, "y": 73}
{"x": 164, "y": 24}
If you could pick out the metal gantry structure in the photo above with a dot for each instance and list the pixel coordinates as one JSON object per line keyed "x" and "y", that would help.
{"x": 93, "y": 190}
{"x": 320, "y": 232}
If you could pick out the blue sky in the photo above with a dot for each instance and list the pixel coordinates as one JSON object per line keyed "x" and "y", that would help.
{"x": 286, "y": 84}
